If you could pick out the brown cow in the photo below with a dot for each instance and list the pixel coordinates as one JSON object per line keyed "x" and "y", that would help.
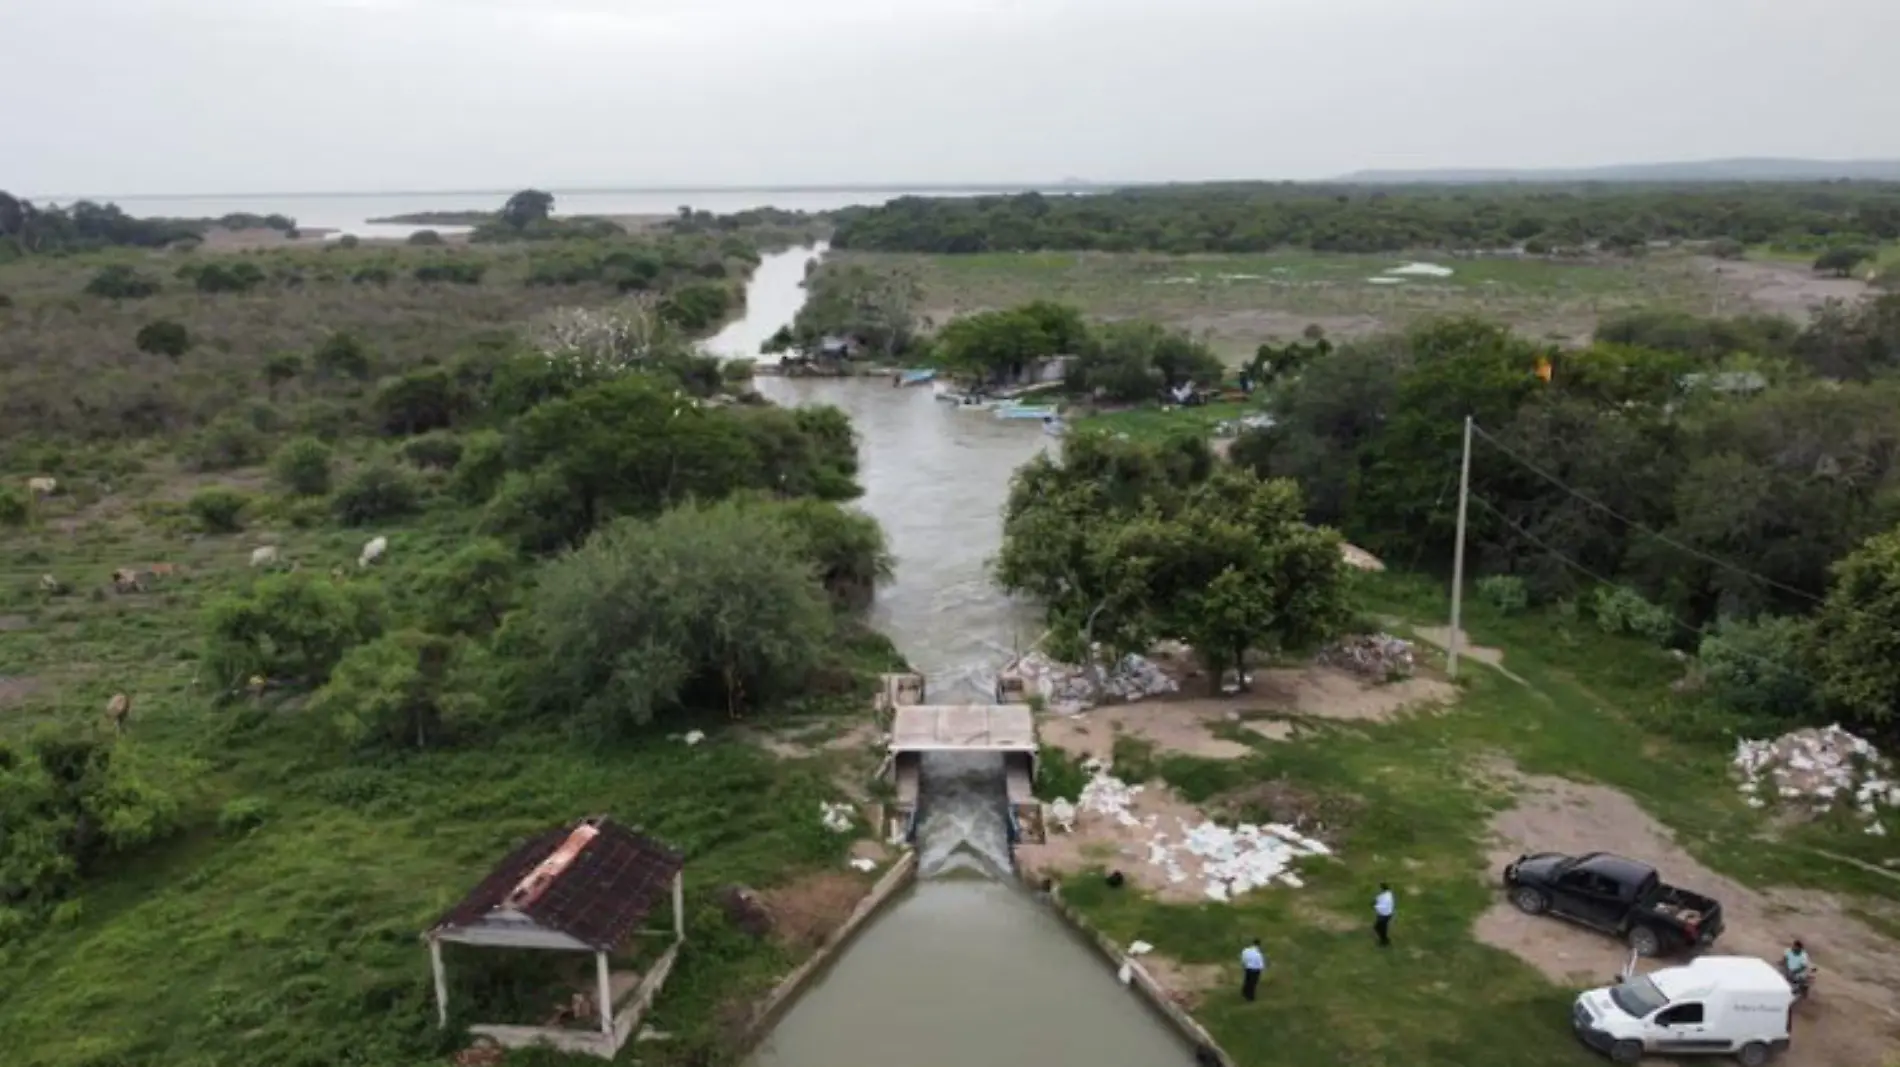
{"x": 118, "y": 711}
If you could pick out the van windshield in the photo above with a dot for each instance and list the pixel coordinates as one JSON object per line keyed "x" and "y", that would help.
{"x": 1638, "y": 997}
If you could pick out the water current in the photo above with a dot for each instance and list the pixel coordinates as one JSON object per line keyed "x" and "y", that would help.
{"x": 965, "y": 967}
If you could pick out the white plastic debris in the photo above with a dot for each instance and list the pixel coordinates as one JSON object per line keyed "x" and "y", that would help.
{"x": 694, "y": 737}
{"x": 1127, "y": 973}
{"x": 1139, "y": 948}
{"x": 1067, "y": 688}
{"x": 1378, "y": 657}
{"x": 1821, "y": 768}
{"x": 1229, "y": 861}
{"x": 1420, "y": 270}
{"x": 836, "y": 817}
{"x": 864, "y": 864}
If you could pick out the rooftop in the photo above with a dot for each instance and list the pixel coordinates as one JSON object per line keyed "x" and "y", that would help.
{"x": 963, "y": 727}
{"x": 593, "y": 881}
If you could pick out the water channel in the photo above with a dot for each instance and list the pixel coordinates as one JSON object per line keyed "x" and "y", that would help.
{"x": 964, "y": 968}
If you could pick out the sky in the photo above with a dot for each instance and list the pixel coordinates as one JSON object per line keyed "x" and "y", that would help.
{"x": 222, "y": 96}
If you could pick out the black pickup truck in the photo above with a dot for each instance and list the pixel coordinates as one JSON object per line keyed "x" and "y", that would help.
{"x": 1618, "y": 896}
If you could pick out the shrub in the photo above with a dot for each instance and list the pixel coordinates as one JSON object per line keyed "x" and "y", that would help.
{"x": 393, "y": 690}
{"x": 734, "y": 371}
{"x": 5, "y": 301}
{"x": 163, "y": 337}
{"x": 303, "y": 466}
{"x": 377, "y": 492}
{"x": 292, "y": 628}
{"x": 341, "y": 355}
{"x": 219, "y": 509}
{"x": 373, "y": 276}
{"x": 348, "y": 240}
{"x": 71, "y": 801}
{"x": 537, "y": 511}
{"x": 483, "y": 462}
{"x": 239, "y": 277}
{"x": 422, "y": 400}
{"x": 120, "y": 282}
{"x": 230, "y": 441}
{"x": 1757, "y": 667}
{"x": 1505, "y": 592}
{"x": 1621, "y": 610}
{"x": 451, "y": 272}
{"x": 469, "y": 592}
{"x": 15, "y": 508}
{"x": 242, "y": 815}
{"x": 433, "y": 451}
{"x": 1727, "y": 248}
{"x": 425, "y": 238}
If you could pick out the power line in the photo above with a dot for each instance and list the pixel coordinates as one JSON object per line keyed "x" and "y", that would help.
{"x": 1699, "y": 631}
{"x": 1627, "y": 521}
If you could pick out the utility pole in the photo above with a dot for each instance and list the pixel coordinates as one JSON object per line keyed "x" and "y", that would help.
{"x": 1458, "y": 561}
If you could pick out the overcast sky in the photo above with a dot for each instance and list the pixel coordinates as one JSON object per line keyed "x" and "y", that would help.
{"x": 180, "y": 96}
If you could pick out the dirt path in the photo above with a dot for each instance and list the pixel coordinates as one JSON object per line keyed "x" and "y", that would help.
{"x": 1853, "y": 1020}
{"x": 1170, "y": 725}
{"x": 1440, "y": 636}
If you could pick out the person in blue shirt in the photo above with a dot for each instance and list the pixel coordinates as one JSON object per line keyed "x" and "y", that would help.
{"x": 1252, "y": 963}
{"x": 1794, "y": 962}
{"x": 1382, "y": 909}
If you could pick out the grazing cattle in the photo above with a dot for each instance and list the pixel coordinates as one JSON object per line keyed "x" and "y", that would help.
{"x": 118, "y": 710}
{"x": 42, "y": 486}
{"x": 265, "y": 556}
{"x": 373, "y": 551}
{"x": 50, "y": 584}
{"x": 126, "y": 580}
{"x": 161, "y": 570}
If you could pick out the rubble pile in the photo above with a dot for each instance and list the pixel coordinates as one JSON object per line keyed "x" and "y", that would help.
{"x": 1821, "y": 767}
{"x": 1066, "y": 687}
{"x": 1380, "y": 657}
{"x": 1228, "y": 861}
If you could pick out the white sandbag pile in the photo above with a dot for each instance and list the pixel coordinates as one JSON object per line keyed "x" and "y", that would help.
{"x": 1066, "y": 688}
{"x": 1819, "y": 768}
{"x": 1228, "y": 861}
{"x": 835, "y": 817}
{"x": 1379, "y": 657}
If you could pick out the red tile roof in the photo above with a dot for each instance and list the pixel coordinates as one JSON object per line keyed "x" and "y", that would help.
{"x": 593, "y": 880}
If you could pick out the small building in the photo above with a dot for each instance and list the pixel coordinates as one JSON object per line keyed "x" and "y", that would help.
{"x": 585, "y": 887}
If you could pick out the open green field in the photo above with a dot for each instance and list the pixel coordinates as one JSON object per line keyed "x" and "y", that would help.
{"x": 1244, "y": 300}
{"x": 1412, "y": 801}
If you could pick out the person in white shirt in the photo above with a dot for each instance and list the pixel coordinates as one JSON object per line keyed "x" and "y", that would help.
{"x": 1252, "y": 963}
{"x": 1382, "y": 914}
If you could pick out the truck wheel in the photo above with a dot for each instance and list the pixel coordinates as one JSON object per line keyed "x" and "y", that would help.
{"x": 1627, "y": 1052}
{"x": 1529, "y": 901}
{"x": 1645, "y": 941}
{"x": 1753, "y": 1054}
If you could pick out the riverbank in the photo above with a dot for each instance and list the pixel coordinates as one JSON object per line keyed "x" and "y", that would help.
{"x": 1542, "y": 751}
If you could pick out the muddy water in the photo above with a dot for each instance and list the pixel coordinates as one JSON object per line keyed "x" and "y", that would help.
{"x": 936, "y": 478}
{"x": 964, "y": 968}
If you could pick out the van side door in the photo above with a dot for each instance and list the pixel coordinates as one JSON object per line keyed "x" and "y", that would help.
{"x": 1684, "y": 1027}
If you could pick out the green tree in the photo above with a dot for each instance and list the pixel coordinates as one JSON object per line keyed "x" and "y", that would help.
{"x": 120, "y": 282}
{"x": 219, "y": 509}
{"x": 379, "y": 491}
{"x": 1857, "y": 633}
{"x": 846, "y": 548}
{"x": 163, "y": 337}
{"x": 69, "y": 802}
{"x": 469, "y": 592}
{"x": 1841, "y": 262}
{"x": 342, "y": 355}
{"x": 392, "y": 691}
{"x": 702, "y": 606}
{"x": 303, "y": 466}
{"x": 281, "y": 368}
{"x": 526, "y": 208}
{"x": 291, "y": 628}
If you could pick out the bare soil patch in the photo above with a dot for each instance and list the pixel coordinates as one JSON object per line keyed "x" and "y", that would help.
{"x": 1100, "y": 841}
{"x": 1170, "y": 725}
{"x": 1853, "y": 1017}
{"x": 1440, "y": 636}
{"x": 1790, "y": 289}
{"x": 1330, "y": 693}
{"x": 1187, "y": 984}
{"x": 15, "y": 690}
{"x": 11, "y": 623}
{"x": 808, "y": 910}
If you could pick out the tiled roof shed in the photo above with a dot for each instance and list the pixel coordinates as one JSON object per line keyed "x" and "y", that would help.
{"x": 594, "y": 881}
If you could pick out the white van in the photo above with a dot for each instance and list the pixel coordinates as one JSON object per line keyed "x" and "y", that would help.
{"x": 1723, "y": 1005}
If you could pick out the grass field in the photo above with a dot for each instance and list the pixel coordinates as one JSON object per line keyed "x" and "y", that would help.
{"x": 1412, "y": 801}
{"x": 1241, "y": 301}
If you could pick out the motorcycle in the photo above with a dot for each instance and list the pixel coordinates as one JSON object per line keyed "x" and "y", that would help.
{"x": 1802, "y": 982}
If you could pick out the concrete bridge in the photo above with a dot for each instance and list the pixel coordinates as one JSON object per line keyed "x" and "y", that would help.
{"x": 1009, "y": 730}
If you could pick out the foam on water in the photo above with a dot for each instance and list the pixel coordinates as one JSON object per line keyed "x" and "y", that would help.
{"x": 962, "y": 803}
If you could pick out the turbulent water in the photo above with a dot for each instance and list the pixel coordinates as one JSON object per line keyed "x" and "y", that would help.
{"x": 963, "y": 826}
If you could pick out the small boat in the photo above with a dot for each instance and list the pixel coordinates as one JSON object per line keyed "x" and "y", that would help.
{"x": 1012, "y": 410}
{"x": 916, "y": 377}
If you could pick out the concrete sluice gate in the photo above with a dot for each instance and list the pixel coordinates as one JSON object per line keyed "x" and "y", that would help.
{"x": 965, "y": 965}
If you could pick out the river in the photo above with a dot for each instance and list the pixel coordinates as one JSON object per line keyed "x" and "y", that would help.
{"x": 962, "y": 969}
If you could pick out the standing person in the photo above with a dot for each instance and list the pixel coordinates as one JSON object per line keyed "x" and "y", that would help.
{"x": 1252, "y": 963}
{"x": 1382, "y": 908}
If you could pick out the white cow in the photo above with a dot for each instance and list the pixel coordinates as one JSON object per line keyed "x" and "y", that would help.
{"x": 42, "y": 486}
{"x": 265, "y": 556}
{"x": 373, "y": 551}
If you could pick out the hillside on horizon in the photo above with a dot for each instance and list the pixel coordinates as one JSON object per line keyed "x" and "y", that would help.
{"x": 1712, "y": 170}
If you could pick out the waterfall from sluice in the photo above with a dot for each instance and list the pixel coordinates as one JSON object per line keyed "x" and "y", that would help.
{"x": 963, "y": 820}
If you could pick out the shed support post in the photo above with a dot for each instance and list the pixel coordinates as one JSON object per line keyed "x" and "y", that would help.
{"x": 679, "y": 905}
{"x": 441, "y": 983}
{"x": 606, "y": 994}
